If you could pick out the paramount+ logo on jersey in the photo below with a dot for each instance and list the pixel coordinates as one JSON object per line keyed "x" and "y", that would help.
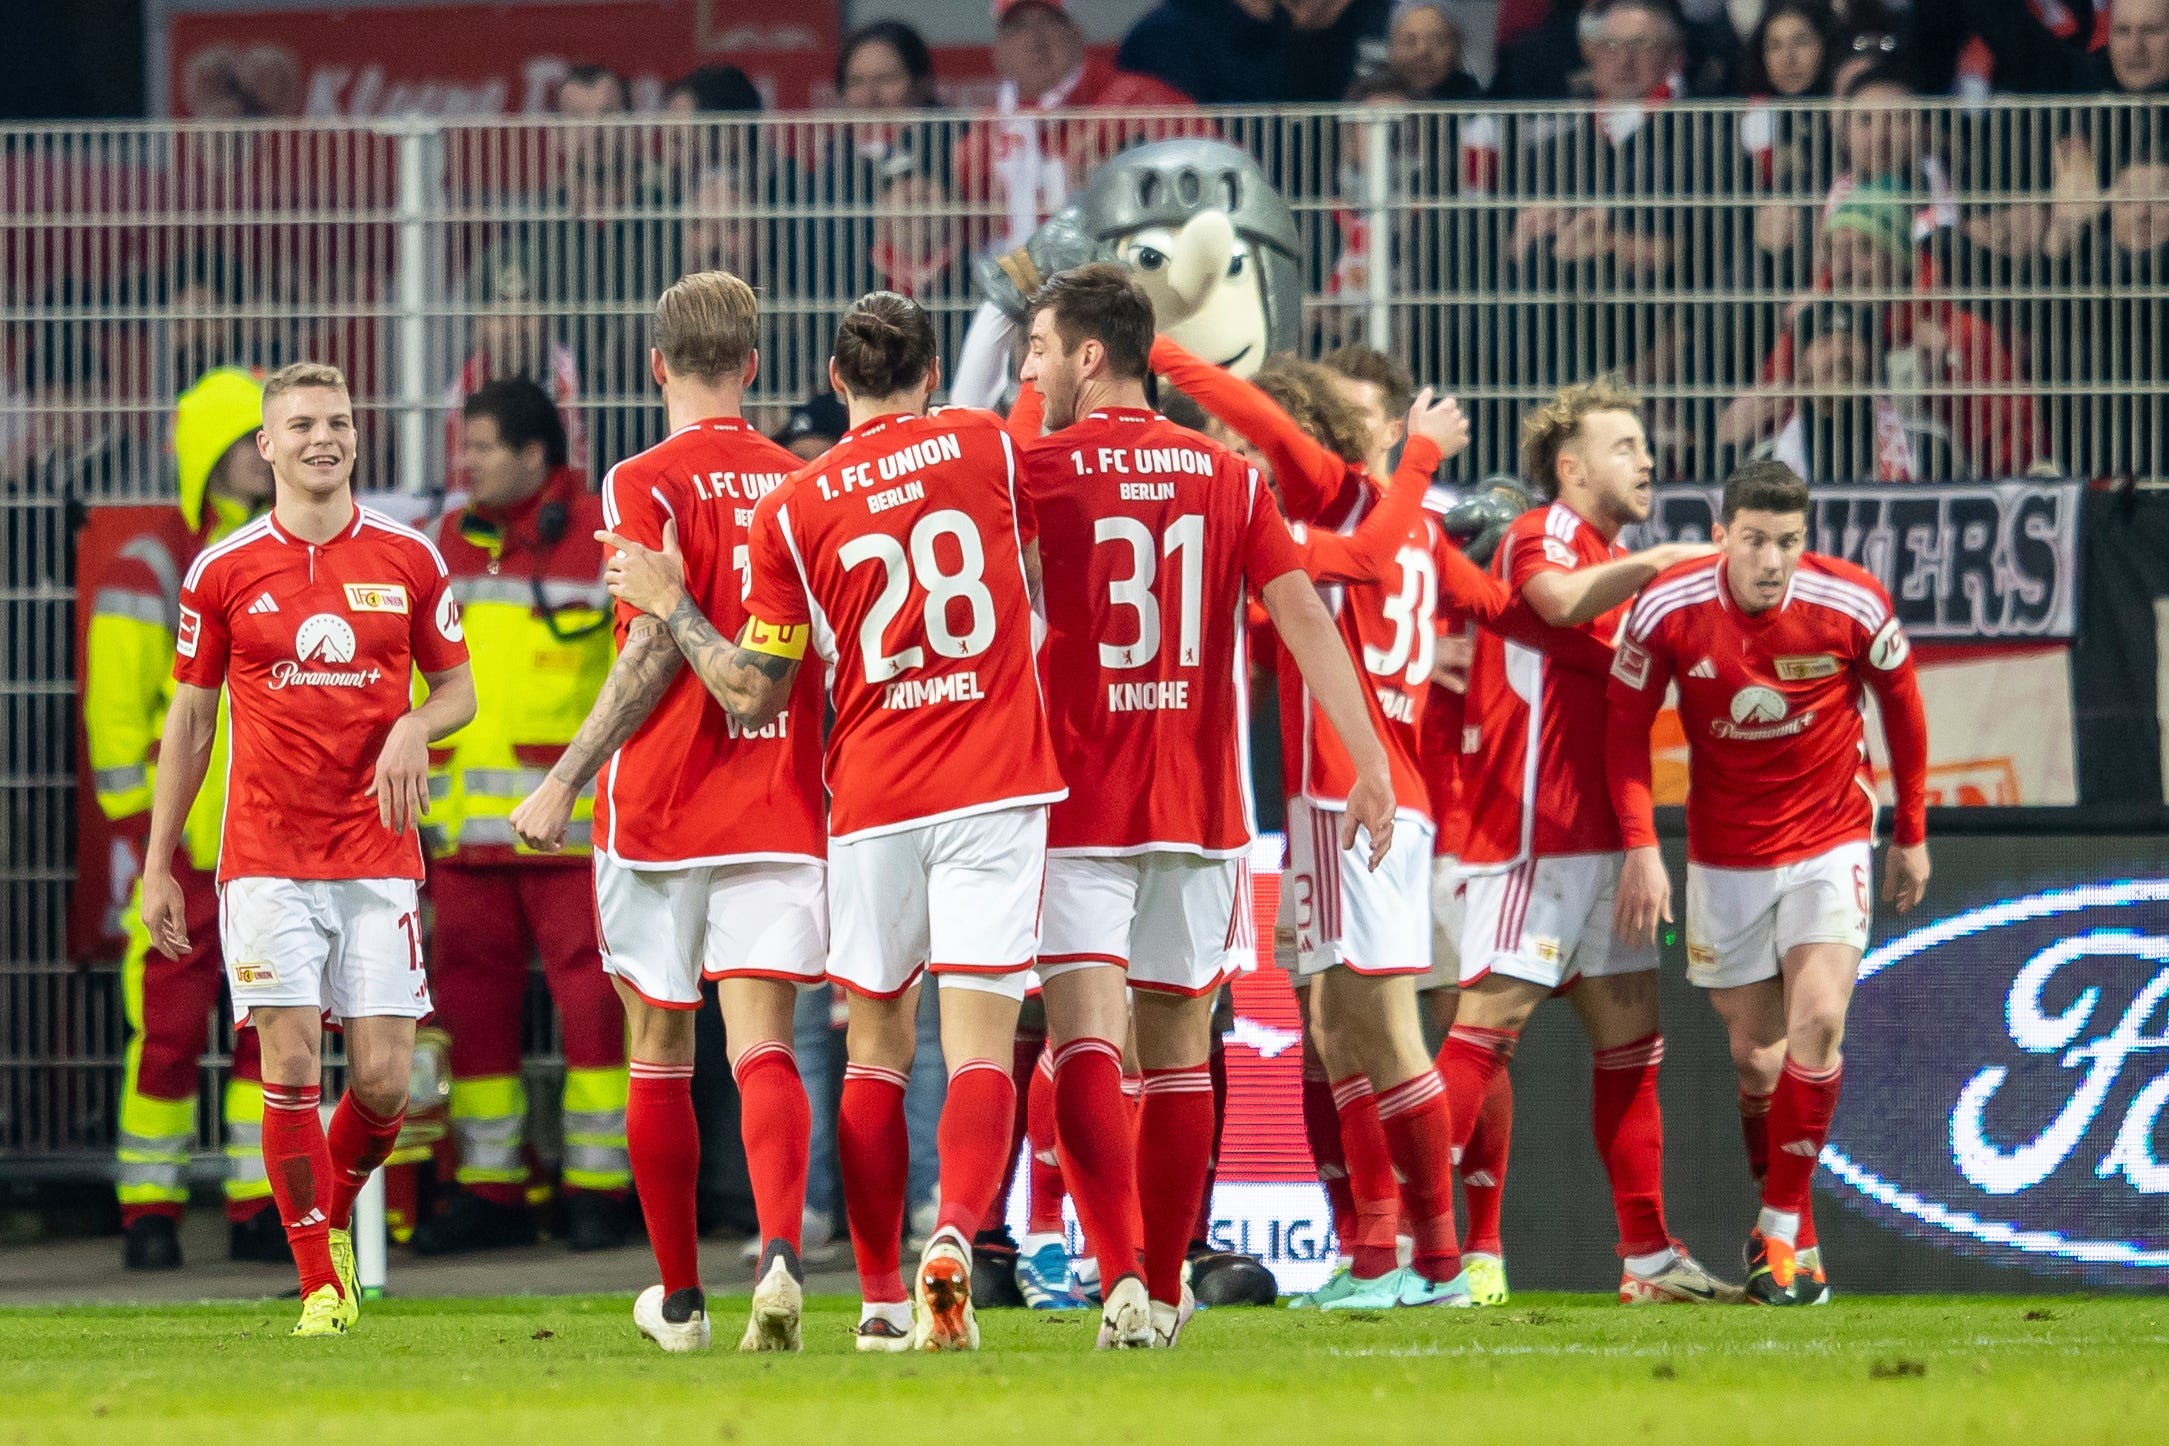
{"x": 2007, "y": 1083}
{"x": 1760, "y": 713}
{"x": 323, "y": 641}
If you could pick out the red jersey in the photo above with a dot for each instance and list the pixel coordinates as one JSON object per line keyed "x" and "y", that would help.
{"x": 317, "y": 645}
{"x": 1150, "y": 539}
{"x": 903, "y": 546}
{"x": 689, "y": 787}
{"x": 1777, "y": 751}
{"x": 1537, "y": 724}
{"x": 1438, "y": 753}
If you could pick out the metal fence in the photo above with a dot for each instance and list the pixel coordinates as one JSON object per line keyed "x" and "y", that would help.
{"x": 1880, "y": 289}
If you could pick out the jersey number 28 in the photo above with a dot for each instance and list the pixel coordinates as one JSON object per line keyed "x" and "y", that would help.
{"x": 965, "y": 585}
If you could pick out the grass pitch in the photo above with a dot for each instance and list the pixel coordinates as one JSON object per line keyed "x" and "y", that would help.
{"x": 515, "y": 1369}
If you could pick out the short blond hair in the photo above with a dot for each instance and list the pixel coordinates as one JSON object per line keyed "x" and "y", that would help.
{"x": 706, "y": 325}
{"x": 294, "y": 376}
{"x": 1547, "y": 430}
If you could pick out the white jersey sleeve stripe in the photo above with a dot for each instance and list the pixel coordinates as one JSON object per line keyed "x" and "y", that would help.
{"x": 255, "y": 531}
{"x": 384, "y": 524}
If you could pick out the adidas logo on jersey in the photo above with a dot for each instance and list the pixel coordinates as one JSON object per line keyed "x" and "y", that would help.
{"x": 1703, "y": 669}
{"x": 265, "y": 603}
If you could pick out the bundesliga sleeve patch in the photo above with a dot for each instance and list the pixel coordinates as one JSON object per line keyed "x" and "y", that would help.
{"x": 1630, "y": 665}
{"x": 1889, "y": 648}
{"x": 777, "y": 642}
{"x": 1558, "y": 552}
{"x": 191, "y": 632}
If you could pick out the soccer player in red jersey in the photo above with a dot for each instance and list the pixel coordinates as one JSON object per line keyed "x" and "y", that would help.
{"x": 906, "y": 558}
{"x": 1362, "y": 927}
{"x": 1151, "y": 540}
{"x": 1542, "y": 857}
{"x": 314, "y": 619}
{"x": 1773, "y": 649}
{"x": 709, "y": 844}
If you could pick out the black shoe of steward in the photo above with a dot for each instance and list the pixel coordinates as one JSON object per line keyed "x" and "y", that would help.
{"x": 472, "y": 1223}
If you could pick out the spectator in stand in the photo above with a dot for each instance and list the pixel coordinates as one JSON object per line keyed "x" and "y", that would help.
{"x": 1844, "y": 427}
{"x": 1552, "y": 61}
{"x": 605, "y": 246}
{"x": 1792, "y": 55}
{"x": 1025, "y": 164}
{"x": 919, "y": 251}
{"x": 1941, "y": 358}
{"x": 2115, "y": 330}
{"x": 719, "y": 91}
{"x": 1224, "y": 52}
{"x": 2045, "y": 47}
{"x": 1424, "y": 50}
{"x": 512, "y": 341}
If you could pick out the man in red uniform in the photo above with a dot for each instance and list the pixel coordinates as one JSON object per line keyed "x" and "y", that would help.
{"x": 906, "y": 558}
{"x": 708, "y": 841}
{"x": 1542, "y": 855}
{"x": 315, "y": 619}
{"x": 1772, "y": 648}
{"x": 1151, "y": 540}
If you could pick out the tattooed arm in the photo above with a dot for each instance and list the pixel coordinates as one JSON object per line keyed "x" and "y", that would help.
{"x": 752, "y": 685}
{"x": 636, "y": 684}
{"x": 751, "y": 678}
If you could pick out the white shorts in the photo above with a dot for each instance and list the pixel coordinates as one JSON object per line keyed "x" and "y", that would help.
{"x": 1741, "y": 922}
{"x": 1175, "y": 922}
{"x": 1548, "y": 922}
{"x": 1449, "y": 902}
{"x": 961, "y": 896}
{"x": 665, "y": 930}
{"x": 1372, "y": 921}
{"x": 351, "y": 948}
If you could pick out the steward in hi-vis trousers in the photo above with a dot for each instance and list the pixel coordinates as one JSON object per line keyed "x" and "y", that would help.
{"x": 527, "y": 571}
{"x": 127, "y": 685}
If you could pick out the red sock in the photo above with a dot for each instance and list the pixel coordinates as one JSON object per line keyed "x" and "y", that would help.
{"x": 357, "y": 1143}
{"x": 873, "y": 1151}
{"x": 1483, "y": 1162}
{"x": 1630, "y": 1139}
{"x": 1370, "y": 1178}
{"x": 1322, "y": 1126}
{"x": 974, "y": 1128}
{"x": 1174, "y": 1156}
{"x": 1800, "y": 1114}
{"x": 1419, "y": 1132}
{"x": 1046, "y": 1177}
{"x": 1024, "y": 1053}
{"x": 663, "y": 1139}
{"x": 1097, "y": 1138}
{"x": 775, "y": 1122}
{"x": 1468, "y": 1061}
{"x": 1216, "y": 1065}
{"x": 299, "y": 1164}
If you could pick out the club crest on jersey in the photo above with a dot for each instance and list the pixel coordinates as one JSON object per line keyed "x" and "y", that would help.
{"x": 323, "y": 638}
{"x": 1808, "y": 666}
{"x": 1759, "y": 713}
{"x": 376, "y": 597}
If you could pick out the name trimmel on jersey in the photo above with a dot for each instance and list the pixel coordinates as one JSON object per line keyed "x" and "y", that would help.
{"x": 918, "y": 692}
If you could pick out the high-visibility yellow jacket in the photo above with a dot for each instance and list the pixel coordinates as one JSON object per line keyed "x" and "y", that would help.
{"x": 128, "y": 682}
{"x": 537, "y": 620}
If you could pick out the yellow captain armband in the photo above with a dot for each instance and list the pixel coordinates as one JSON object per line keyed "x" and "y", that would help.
{"x": 780, "y": 642}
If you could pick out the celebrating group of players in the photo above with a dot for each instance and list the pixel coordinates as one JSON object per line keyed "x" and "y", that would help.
{"x": 1020, "y": 762}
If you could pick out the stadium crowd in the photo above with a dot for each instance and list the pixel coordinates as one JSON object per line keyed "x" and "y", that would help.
{"x": 1844, "y": 287}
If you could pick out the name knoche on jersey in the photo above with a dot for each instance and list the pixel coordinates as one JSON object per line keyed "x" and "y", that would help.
{"x": 747, "y": 487}
{"x": 855, "y": 477}
{"x": 1148, "y": 697}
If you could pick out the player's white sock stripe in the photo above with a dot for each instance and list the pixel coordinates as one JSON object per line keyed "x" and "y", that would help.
{"x": 971, "y": 1064}
{"x": 1349, "y": 1090}
{"x": 762, "y": 1051}
{"x": 1196, "y": 1080}
{"x": 1077, "y": 1048}
{"x": 1411, "y": 1094}
{"x": 897, "y": 1077}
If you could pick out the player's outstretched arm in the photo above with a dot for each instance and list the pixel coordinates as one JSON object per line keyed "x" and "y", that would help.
{"x": 184, "y": 753}
{"x": 1567, "y": 599}
{"x": 636, "y": 683}
{"x": 1312, "y": 480}
{"x": 400, "y": 782}
{"x": 1311, "y": 640}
